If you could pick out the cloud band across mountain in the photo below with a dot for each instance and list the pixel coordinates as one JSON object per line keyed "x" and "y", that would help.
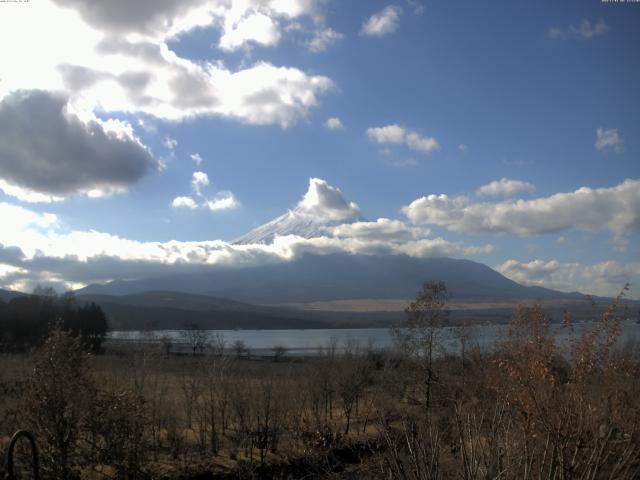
{"x": 322, "y": 222}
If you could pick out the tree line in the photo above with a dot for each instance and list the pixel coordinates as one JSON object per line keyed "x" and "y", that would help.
{"x": 26, "y": 321}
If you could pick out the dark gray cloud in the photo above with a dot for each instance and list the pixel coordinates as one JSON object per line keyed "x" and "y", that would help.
{"x": 77, "y": 77}
{"x": 45, "y": 149}
{"x": 192, "y": 90}
{"x": 122, "y": 16}
{"x": 11, "y": 255}
{"x": 144, "y": 50}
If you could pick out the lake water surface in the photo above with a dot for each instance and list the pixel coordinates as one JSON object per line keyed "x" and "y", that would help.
{"x": 308, "y": 342}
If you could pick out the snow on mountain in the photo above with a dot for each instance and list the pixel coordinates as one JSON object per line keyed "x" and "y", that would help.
{"x": 321, "y": 208}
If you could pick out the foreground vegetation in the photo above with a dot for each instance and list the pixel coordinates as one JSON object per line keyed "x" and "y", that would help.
{"x": 527, "y": 408}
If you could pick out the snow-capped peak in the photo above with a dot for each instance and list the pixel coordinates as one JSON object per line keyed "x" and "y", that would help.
{"x": 323, "y": 206}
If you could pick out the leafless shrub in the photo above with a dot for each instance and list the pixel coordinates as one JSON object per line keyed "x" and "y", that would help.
{"x": 56, "y": 397}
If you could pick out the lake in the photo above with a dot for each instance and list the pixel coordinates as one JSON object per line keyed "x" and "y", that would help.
{"x": 308, "y": 342}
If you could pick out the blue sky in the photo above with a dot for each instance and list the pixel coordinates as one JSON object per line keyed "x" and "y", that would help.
{"x": 433, "y": 98}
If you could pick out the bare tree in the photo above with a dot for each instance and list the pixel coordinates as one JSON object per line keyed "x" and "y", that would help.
{"x": 196, "y": 337}
{"x": 420, "y": 335}
{"x": 56, "y": 398}
{"x": 240, "y": 348}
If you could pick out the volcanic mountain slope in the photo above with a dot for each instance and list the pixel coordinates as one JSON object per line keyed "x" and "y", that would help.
{"x": 313, "y": 278}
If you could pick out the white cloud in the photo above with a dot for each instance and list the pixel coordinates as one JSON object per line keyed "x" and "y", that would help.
{"x": 265, "y": 94}
{"x": 170, "y": 143}
{"x": 585, "y": 30}
{"x": 196, "y": 157}
{"x": 224, "y": 200}
{"x": 609, "y": 139}
{"x": 165, "y": 19}
{"x": 184, "y": 202}
{"x": 102, "y": 69}
{"x": 49, "y": 151}
{"x": 616, "y": 209}
{"x": 323, "y": 39}
{"x": 323, "y": 201}
{"x": 604, "y": 278}
{"x": 27, "y": 195}
{"x": 389, "y": 134}
{"x": 255, "y": 27}
{"x": 396, "y": 134}
{"x": 19, "y": 218}
{"x": 505, "y": 187}
{"x": 334, "y": 123}
{"x": 463, "y": 147}
{"x": 381, "y": 229}
{"x": 382, "y": 23}
{"x": 146, "y": 17}
{"x": 199, "y": 180}
{"x": 421, "y": 144}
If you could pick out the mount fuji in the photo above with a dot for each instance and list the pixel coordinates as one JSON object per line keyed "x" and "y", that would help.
{"x": 322, "y": 265}
{"x": 321, "y": 208}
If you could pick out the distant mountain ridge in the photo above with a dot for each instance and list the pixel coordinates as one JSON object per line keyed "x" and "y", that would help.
{"x": 339, "y": 276}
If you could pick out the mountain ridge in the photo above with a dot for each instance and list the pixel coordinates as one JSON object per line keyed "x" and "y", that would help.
{"x": 338, "y": 276}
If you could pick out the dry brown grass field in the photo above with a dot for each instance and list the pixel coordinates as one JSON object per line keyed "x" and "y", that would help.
{"x": 527, "y": 408}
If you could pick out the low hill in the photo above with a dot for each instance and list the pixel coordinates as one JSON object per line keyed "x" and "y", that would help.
{"x": 174, "y": 310}
{"x": 7, "y": 295}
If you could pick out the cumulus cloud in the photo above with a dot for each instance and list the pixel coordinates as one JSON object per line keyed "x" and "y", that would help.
{"x": 240, "y": 21}
{"x": 323, "y": 39}
{"x": 609, "y": 139}
{"x": 326, "y": 202}
{"x": 256, "y": 27}
{"x": 616, "y": 209}
{"x": 199, "y": 180}
{"x": 585, "y": 30}
{"x": 505, "y": 187}
{"x": 149, "y": 17}
{"x": 334, "y": 123}
{"x": 196, "y": 157}
{"x": 604, "y": 278}
{"x": 100, "y": 68}
{"x": 224, "y": 200}
{"x": 396, "y": 134}
{"x": 184, "y": 202}
{"x": 48, "y": 151}
{"x": 382, "y": 23}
